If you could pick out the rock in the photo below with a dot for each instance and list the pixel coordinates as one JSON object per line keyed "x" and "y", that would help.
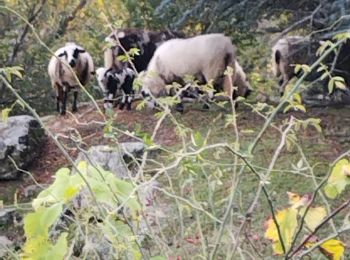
{"x": 5, "y": 244}
{"x": 6, "y": 217}
{"x": 21, "y": 138}
{"x": 33, "y": 190}
{"x": 114, "y": 159}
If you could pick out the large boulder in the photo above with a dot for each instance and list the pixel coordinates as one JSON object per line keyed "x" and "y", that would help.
{"x": 21, "y": 138}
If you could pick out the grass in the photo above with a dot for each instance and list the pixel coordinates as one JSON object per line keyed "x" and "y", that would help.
{"x": 204, "y": 183}
{"x": 206, "y": 180}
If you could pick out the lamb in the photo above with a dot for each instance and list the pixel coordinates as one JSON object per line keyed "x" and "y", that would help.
{"x": 69, "y": 62}
{"x": 146, "y": 41}
{"x": 206, "y": 56}
{"x": 112, "y": 81}
{"x": 293, "y": 50}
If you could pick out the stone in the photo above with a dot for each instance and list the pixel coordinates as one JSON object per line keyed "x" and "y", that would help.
{"x": 114, "y": 159}
{"x": 5, "y": 245}
{"x": 21, "y": 138}
{"x": 7, "y": 216}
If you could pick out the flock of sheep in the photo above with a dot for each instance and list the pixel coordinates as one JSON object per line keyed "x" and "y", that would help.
{"x": 165, "y": 57}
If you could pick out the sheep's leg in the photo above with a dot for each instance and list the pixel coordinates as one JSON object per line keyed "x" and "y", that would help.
{"x": 283, "y": 86}
{"x": 75, "y": 98}
{"x": 58, "y": 104}
{"x": 128, "y": 102}
{"x": 59, "y": 96}
{"x": 123, "y": 101}
{"x": 64, "y": 102}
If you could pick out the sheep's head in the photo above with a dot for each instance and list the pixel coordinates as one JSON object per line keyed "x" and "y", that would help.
{"x": 71, "y": 54}
{"x": 244, "y": 88}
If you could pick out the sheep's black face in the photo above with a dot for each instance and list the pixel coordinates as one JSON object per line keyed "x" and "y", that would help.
{"x": 73, "y": 56}
{"x": 72, "y": 63}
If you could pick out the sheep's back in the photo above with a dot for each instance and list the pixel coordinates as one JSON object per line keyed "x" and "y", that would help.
{"x": 190, "y": 56}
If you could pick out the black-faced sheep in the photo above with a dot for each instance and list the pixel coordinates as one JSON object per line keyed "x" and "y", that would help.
{"x": 206, "y": 56}
{"x": 292, "y": 50}
{"x": 146, "y": 41}
{"x": 111, "y": 82}
{"x": 69, "y": 61}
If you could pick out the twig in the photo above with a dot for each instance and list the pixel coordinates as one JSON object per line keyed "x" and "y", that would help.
{"x": 322, "y": 241}
{"x": 325, "y": 221}
{"x": 268, "y": 123}
{"x": 312, "y": 200}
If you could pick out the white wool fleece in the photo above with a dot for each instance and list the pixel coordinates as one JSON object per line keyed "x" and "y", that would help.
{"x": 201, "y": 55}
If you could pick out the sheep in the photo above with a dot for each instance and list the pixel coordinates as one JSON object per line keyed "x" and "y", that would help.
{"x": 112, "y": 81}
{"x": 293, "y": 50}
{"x": 206, "y": 56}
{"x": 286, "y": 53}
{"x": 146, "y": 41}
{"x": 69, "y": 62}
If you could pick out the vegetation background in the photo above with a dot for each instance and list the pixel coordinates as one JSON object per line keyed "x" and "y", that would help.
{"x": 224, "y": 187}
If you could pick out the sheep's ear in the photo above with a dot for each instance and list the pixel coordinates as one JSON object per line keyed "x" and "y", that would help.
{"x": 62, "y": 54}
{"x": 81, "y": 50}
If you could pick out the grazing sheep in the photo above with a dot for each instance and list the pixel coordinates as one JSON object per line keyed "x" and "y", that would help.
{"x": 112, "y": 81}
{"x": 69, "y": 62}
{"x": 286, "y": 53}
{"x": 146, "y": 41}
{"x": 293, "y": 50}
{"x": 206, "y": 55}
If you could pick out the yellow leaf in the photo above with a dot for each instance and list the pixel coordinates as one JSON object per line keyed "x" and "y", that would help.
{"x": 293, "y": 197}
{"x": 101, "y": 3}
{"x": 82, "y": 167}
{"x": 287, "y": 222}
{"x": 296, "y": 201}
{"x": 314, "y": 217}
{"x": 334, "y": 249}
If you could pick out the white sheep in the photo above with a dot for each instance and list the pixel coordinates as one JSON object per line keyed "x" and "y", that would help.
{"x": 292, "y": 50}
{"x": 69, "y": 61}
{"x": 111, "y": 82}
{"x": 206, "y": 56}
{"x": 286, "y": 53}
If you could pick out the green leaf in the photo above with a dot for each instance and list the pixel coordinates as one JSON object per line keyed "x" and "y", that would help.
{"x": 324, "y": 75}
{"x": 330, "y": 85}
{"x": 297, "y": 68}
{"x": 339, "y": 179}
{"x": 340, "y": 85}
{"x": 341, "y": 36}
{"x": 300, "y": 107}
{"x": 5, "y": 114}
{"x": 197, "y": 139}
{"x": 306, "y": 68}
{"x": 323, "y": 47}
{"x": 60, "y": 249}
{"x": 158, "y": 257}
{"x": 38, "y": 222}
{"x": 134, "y": 51}
{"x": 331, "y": 191}
{"x": 64, "y": 188}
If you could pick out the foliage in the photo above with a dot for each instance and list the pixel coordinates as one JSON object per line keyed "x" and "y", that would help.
{"x": 205, "y": 177}
{"x": 339, "y": 179}
{"x": 51, "y": 206}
